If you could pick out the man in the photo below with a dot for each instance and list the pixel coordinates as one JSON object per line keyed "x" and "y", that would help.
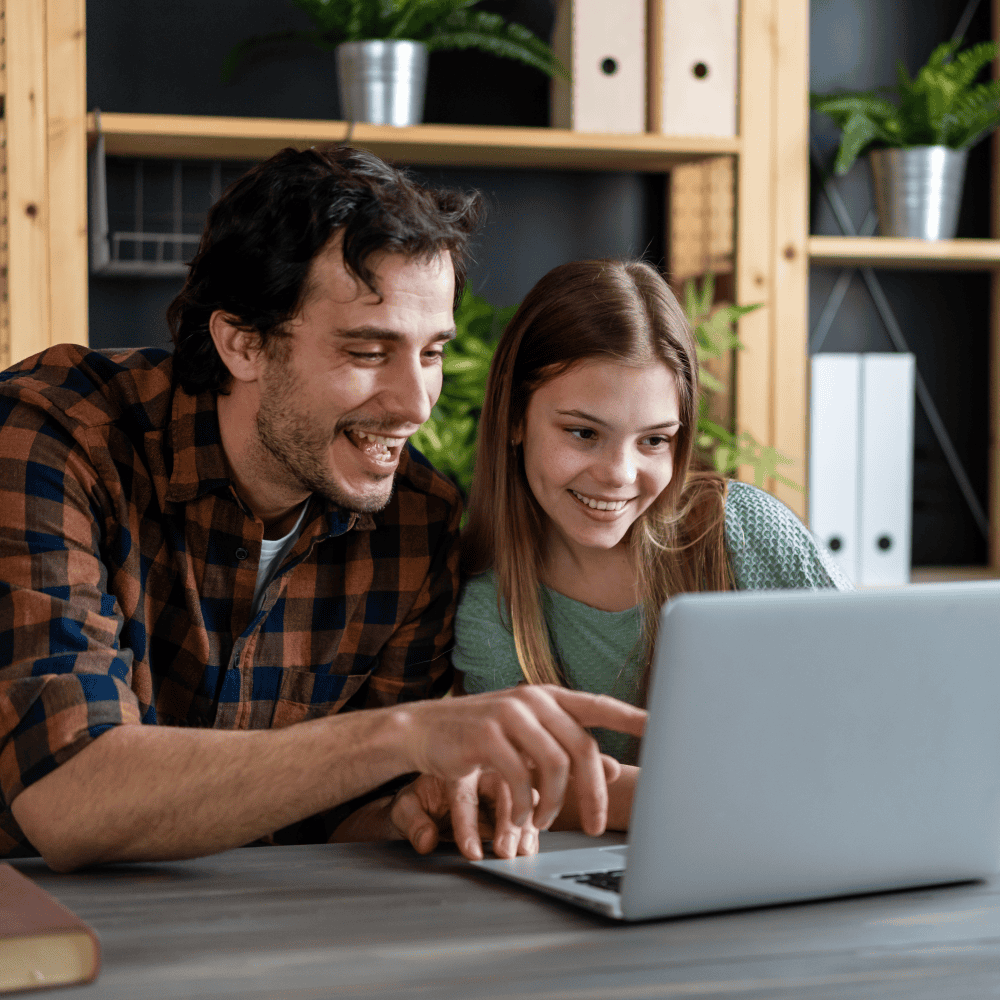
{"x": 210, "y": 560}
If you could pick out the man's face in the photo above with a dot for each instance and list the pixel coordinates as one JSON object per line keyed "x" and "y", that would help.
{"x": 356, "y": 376}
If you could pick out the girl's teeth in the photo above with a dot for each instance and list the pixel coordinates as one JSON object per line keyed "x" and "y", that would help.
{"x": 599, "y": 504}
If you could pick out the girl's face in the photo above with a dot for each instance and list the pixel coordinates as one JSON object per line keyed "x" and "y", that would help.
{"x": 598, "y": 449}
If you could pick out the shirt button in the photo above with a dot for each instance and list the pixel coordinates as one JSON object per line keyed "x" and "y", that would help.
{"x": 241, "y": 553}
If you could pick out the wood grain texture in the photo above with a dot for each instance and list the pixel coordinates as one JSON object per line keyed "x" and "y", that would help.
{"x": 701, "y": 237}
{"x": 789, "y": 316}
{"x": 4, "y": 227}
{"x": 374, "y": 920}
{"x": 898, "y": 252}
{"x": 66, "y": 153}
{"x": 451, "y": 145}
{"x": 3, "y": 42}
{"x": 755, "y": 196}
{"x": 27, "y": 176}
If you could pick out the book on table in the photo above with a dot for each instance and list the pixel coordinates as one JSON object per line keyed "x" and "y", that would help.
{"x": 42, "y": 944}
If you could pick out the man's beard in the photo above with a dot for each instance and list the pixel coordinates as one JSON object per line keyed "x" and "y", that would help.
{"x": 294, "y": 440}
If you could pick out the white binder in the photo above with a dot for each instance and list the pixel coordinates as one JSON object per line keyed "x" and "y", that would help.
{"x": 885, "y": 513}
{"x": 834, "y": 456}
{"x": 861, "y": 463}
{"x": 699, "y": 66}
{"x": 603, "y": 45}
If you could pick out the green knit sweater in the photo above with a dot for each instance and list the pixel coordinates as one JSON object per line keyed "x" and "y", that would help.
{"x": 600, "y": 651}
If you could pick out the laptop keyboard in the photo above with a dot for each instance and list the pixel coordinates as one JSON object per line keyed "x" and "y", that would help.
{"x": 611, "y": 881}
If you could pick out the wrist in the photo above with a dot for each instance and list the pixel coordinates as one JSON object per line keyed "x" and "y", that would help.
{"x": 400, "y": 737}
{"x": 369, "y": 822}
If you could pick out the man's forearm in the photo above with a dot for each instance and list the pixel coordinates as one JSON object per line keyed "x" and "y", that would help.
{"x": 145, "y": 793}
{"x": 155, "y": 793}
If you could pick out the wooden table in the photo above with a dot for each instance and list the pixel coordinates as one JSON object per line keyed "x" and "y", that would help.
{"x": 375, "y": 920}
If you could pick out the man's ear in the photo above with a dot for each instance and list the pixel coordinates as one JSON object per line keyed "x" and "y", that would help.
{"x": 240, "y": 349}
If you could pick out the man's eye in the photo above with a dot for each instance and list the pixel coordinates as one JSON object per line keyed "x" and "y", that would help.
{"x": 367, "y": 355}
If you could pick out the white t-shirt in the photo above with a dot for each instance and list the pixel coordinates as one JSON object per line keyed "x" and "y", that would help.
{"x": 272, "y": 554}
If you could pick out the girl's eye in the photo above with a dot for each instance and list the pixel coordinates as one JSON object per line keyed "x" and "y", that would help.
{"x": 583, "y": 433}
{"x": 657, "y": 440}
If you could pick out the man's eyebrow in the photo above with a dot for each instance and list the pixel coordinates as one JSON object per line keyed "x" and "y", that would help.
{"x": 380, "y": 333}
{"x": 581, "y": 415}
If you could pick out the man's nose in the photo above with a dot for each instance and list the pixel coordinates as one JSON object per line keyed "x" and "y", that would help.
{"x": 411, "y": 391}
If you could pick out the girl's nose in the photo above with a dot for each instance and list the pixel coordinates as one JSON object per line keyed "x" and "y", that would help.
{"x": 618, "y": 467}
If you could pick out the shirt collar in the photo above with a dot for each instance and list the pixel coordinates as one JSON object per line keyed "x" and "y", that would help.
{"x": 200, "y": 465}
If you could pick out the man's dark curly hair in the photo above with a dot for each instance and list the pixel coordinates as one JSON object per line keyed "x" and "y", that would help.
{"x": 262, "y": 235}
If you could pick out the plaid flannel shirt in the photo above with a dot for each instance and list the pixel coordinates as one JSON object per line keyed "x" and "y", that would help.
{"x": 128, "y": 565}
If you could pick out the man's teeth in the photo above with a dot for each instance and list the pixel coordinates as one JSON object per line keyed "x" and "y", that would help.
{"x": 599, "y": 504}
{"x": 386, "y": 442}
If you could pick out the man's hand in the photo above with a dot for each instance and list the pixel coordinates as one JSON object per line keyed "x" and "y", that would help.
{"x": 531, "y": 738}
{"x": 468, "y": 812}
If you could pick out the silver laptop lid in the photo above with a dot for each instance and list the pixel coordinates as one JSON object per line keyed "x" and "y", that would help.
{"x": 804, "y": 743}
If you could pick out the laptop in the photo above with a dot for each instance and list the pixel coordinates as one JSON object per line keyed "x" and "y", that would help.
{"x": 804, "y": 744}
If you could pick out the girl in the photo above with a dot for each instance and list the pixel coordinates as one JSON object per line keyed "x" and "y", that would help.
{"x": 585, "y": 512}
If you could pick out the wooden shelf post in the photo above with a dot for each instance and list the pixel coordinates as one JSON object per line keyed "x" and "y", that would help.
{"x": 772, "y": 226}
{"x": 46, "y": 146}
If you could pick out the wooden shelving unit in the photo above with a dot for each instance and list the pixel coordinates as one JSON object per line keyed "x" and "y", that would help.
{"x": 185, "y": 136}
{"x": 48, "y": 129}
{"x": 886, "y": 251}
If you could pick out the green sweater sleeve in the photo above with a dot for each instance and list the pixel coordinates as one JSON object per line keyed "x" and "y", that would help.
{"x": 484, "y": 649}
{"x": 771, "y": 549}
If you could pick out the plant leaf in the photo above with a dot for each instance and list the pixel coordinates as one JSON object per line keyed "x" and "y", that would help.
{"x": 858, "y": 134}
{"x": 464, "y": 29}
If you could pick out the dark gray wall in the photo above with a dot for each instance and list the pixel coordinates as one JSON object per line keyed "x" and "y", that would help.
{"x": 165, "y": 58}
{"x": 854, "y": 44}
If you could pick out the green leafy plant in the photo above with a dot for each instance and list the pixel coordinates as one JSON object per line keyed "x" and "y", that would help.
{"x": 941, "y": 106}
{"x": 438, "y": 24}
{"x": 715, "y": 335}
{"x": 448, "y": 438}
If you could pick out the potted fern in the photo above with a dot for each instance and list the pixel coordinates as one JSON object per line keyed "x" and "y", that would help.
{"x": 918, "y": 135}
{"x": 381, "y": 49}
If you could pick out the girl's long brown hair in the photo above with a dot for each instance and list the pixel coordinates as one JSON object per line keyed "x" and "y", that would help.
{"x": 587, "y": 310}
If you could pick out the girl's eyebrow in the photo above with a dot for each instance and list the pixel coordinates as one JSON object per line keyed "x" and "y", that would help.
{"x": 581, "y": 415}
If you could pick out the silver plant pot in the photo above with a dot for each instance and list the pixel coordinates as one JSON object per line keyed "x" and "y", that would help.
{"x": 382, "y": 82}
{"x": 918, "y": 191}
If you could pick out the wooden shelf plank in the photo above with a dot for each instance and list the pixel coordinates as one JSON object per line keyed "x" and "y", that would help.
{"x": 952, "y": 574}
{"x": 185, "y": 136}
{"x": 886, "y": 251}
